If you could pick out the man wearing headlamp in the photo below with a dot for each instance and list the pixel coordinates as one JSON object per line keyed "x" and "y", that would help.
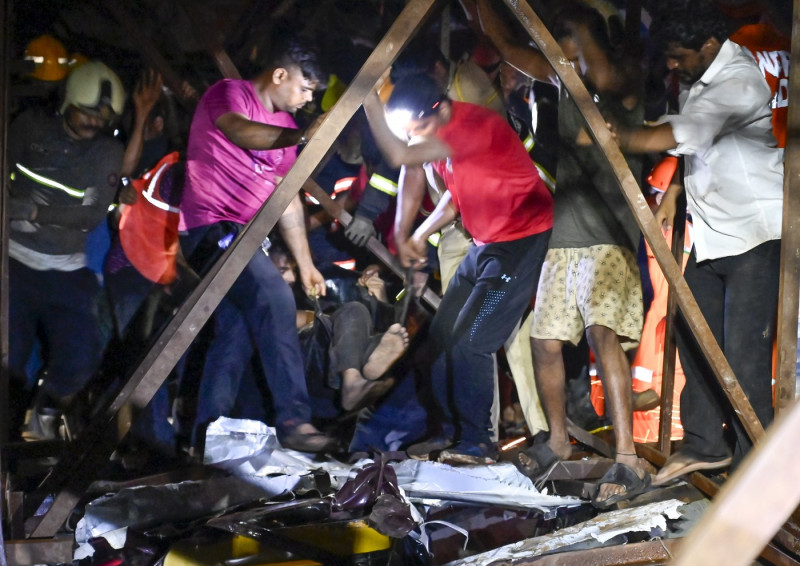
{"x": 494, "y": 187}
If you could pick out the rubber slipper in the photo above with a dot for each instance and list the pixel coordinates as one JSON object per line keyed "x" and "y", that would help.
{"x": 542, "y": 461}
{"x": 620, "y": 474}
{"x": 688, "y": 465}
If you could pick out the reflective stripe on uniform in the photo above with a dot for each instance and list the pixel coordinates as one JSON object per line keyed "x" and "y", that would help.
{"x": 383, "y": 184}
{"x": 546, "y": 177}
{"x": 42, "y": 180}
{"x": 528, "y": 143}
{"x": 348, "y": 264}
{"x": 151, "y": 187}
{"x": 343, "y": 184}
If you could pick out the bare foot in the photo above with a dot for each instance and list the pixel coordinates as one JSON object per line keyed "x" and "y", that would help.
{"x": 392, "y": 345}
{"x": 358, "y": 392}
{"x": 561, "y": 450}
{"x": 607, "y": 490}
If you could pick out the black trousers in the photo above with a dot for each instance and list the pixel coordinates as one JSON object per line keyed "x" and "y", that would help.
{"x": 738, "y": 296}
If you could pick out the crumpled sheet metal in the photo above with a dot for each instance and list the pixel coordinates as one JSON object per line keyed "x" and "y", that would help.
{"x": 496, "y": 484}
{"x": 153, "y": 505}
{"x": 602, "y": 528}
{"x": 250, "y": 448}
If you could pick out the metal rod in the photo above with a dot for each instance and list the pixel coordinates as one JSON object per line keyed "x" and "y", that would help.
{"x": 786, "y": 367}
{"x": 668, "y": 365}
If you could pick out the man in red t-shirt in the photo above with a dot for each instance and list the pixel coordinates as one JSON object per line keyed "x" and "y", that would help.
{"x": 495, "y": 188}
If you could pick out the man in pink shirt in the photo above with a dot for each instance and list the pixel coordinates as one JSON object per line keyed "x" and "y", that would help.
{"x": 242, "y": 141}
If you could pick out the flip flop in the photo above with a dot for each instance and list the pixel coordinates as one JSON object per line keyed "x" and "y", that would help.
{"x": 542, "y": 461}
{"x": 620, "y": 474}
{"x": 690, "y": 464}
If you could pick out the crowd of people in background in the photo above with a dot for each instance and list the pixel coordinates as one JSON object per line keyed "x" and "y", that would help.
{"x": 475, "y": 168}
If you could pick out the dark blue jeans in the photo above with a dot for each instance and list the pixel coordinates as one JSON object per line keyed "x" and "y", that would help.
{"x": 60, "y": 308}
{"x": 257, "y": 315}
{"x": 485, "y": 299}
{"x": 738, "y": 296}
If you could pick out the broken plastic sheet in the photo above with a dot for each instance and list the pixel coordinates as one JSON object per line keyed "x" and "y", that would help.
{"x": 145, "y": 506}
{"x": 496, "y": 484}
{"x": 651, "y": 518}
{"x": 250, "y": 448}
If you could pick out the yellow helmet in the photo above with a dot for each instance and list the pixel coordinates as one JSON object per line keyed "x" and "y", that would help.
{"x": 49, "y": 57}
{"x": 93, "y": 87}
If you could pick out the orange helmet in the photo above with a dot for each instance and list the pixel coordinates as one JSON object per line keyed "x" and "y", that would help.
{"x": 50, "y": 59}
{"x": 76, "y": 60}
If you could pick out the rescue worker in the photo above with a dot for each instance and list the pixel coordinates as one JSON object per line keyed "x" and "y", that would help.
{"x": 65, "y": 172}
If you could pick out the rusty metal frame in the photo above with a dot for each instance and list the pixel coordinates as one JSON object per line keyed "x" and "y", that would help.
{"x": 149, "y": 52}
{"x": 786, "y": 368}
{"x": 69, "y": 477}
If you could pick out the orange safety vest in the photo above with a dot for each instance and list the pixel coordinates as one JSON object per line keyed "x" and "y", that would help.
{"x": 148, "y": 229}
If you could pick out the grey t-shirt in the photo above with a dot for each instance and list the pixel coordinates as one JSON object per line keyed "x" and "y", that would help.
{"x": 590, "y": 208}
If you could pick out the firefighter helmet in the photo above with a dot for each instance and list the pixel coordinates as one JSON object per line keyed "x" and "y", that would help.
{"x": 95, "y": 88}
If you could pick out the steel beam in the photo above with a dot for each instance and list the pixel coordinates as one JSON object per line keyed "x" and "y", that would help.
{"x": 670, "y": 350}
{"x": 786, "y": 374}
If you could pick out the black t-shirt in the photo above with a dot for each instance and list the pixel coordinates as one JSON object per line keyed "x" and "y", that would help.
{"x": 590, "y": 208}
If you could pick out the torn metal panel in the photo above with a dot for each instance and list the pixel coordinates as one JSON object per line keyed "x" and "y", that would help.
{"x": 498, "y": 484}
{"x": 651, "y": 552}
{"x": 601, "y": 529}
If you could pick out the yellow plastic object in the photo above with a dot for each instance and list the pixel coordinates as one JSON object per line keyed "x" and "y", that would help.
{"x": 49, "y": 57}
{"x": 189, "y": 553}
{"x": 333, "y": 93}
{"x": 340, "y": 538}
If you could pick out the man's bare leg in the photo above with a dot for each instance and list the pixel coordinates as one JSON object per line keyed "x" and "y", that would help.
{"x": 393, "y": 344}
{"x": 357, "y": 391}
{"x": 362, "y": 385}
{"x": 616, "y": 375}
{"x": 548, "y": 366}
